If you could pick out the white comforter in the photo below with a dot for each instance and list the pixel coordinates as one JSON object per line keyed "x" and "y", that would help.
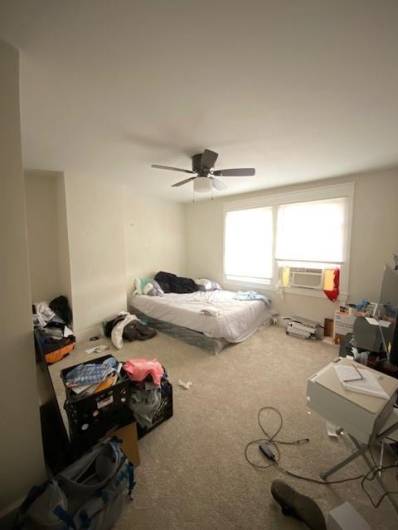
{"x": 214, "y": 313}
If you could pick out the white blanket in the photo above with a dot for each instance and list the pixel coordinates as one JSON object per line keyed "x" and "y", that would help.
{"x": 214, "y": 313}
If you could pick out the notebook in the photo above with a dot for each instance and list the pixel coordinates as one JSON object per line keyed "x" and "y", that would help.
{"x": 360, "y": 380}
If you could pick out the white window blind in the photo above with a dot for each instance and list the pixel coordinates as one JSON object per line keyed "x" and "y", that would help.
{"x": 312, "y": 231}
{"x": 248, "y": 245}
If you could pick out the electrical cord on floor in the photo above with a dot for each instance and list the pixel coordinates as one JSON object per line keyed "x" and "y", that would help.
{"x": 273, "y": 453}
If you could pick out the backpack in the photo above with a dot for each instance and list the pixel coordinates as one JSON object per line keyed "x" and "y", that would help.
{"x": 89, "y": 494}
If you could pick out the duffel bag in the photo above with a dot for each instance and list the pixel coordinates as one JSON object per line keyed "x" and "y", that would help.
{"x": 89, "y": 494}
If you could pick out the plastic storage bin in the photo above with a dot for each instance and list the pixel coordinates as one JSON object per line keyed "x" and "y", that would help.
{"x": 91, "y": 417}
{"x": 164, "y": 411}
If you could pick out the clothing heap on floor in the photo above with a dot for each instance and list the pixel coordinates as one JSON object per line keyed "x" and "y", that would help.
{"x": 128, "y": 327}
{"x": 54, "y": 338}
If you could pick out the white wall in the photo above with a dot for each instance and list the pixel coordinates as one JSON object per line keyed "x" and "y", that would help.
{"x": 47, "y": 235}
{"x": 97, "y": 251}
{"x": 155, "y": 236}
{"x": 21, "y": 458}
{"x": 373, "y": 240}
{"x": 116, "y": 235}
{"x": 64, "y": 278}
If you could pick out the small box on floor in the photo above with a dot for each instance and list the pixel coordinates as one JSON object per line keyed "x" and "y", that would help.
{"x": 128, "y": 436}
{"x": 345, "y": 517}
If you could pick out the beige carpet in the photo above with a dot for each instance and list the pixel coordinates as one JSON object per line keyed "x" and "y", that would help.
{"x": 193, "y": 474}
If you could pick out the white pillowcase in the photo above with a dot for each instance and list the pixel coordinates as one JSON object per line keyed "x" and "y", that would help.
{"x": 147, "y": 289}
{"x": 207, "y": 285}
{"x": 153, "y": 289}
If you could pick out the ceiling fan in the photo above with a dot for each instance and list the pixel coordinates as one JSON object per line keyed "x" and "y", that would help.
{"x": 204, "y": 175}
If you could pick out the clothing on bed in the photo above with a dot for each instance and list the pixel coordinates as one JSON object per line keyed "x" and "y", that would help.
{"x": 152, "y": 288}
{"x": 207, "y": 285}
{"x": 170, "y": 283}
{"x": 252, "y": 295}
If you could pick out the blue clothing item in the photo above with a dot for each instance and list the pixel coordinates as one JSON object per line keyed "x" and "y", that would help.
{"x": 91, "y": 373}
{"x": 252, "y": 295}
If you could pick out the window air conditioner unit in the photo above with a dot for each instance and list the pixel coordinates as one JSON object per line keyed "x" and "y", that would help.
{"x": 306, "y": 278}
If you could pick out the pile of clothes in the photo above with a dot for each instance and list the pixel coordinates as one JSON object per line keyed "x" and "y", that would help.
{"x": 147, "y": 380}
{"x": 53, "y": 335}
{"x": 170, "y": 283}
{"x": 89, "y": 378}
{"x": 249, "y": 296}
{"x": 128, "y": 327}
{"x": 146, "y": 397}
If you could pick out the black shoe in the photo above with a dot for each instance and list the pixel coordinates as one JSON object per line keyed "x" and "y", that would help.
{"x": 296, "y": 505}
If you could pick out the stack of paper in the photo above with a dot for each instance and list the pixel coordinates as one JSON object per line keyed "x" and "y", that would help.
{"x": 360, "y": 380}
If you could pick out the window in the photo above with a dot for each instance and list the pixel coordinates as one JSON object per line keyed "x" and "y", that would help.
{"x": 248, "y": 253}
{"x": 312, "y": 232}
{"x": 294, "y": 239}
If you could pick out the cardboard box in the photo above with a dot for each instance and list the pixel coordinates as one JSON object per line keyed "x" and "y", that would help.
{"x": 345, "y": 517}
{"x": 128, "y": 435}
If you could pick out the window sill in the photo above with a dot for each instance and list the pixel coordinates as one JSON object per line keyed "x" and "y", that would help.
{"x": 315, "y": 293}
{"x": 272, "y": 289}
{"x": 240, "y": 284}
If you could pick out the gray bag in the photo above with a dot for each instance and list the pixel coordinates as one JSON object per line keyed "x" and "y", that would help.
{"x": 89, "y": 494}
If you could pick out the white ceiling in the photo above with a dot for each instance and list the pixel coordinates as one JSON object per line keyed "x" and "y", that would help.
{"x": 298, "y": 89}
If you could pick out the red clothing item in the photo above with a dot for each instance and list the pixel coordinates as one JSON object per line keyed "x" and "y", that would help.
{"x": 139, "y": 369}
{"x": 333, "y": 294}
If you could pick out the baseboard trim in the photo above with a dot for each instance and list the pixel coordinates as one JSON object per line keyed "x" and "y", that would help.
{"x": 87, "y": 333}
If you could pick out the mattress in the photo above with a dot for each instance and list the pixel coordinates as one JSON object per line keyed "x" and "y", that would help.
{"x": 216, "y": 314}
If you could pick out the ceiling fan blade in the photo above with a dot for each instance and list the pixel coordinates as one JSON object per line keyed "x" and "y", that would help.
{"x": 182, "y": 182}
{"x": 169, "y": 168}
{"x": 237, "y": 172}
{"x": 218, "y": 184}
{"x": 208, "y": 159}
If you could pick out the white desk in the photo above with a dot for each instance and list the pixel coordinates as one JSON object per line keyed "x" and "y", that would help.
{"x": 366, "y": 419}
{"x": 361, "y": 415}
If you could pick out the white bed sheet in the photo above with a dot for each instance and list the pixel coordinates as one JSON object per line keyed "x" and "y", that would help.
{"x": 233, "y": 320}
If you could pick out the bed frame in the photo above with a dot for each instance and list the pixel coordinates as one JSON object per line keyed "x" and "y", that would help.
{"x": 194, "y": 338}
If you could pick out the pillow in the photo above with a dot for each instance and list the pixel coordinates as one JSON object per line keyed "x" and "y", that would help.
{"x": 207, "y": 285}
{"x": 153, "y": 289}
{"x": 140, "y": 284}
{"x": 157, "y": 288}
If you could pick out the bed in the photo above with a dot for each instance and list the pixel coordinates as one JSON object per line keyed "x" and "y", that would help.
{"x": 208, "y": 319}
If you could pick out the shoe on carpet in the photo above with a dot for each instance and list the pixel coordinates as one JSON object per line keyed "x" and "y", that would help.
{"x": 296, "y": 505}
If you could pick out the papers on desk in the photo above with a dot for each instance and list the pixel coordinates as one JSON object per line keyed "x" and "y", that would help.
{"x": 381, "y": 323}
{"x": 360, "y": 380}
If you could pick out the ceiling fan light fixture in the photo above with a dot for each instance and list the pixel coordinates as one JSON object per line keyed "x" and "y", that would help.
{"x": 202, "y": 184}
{"x": 204, "y": 175}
